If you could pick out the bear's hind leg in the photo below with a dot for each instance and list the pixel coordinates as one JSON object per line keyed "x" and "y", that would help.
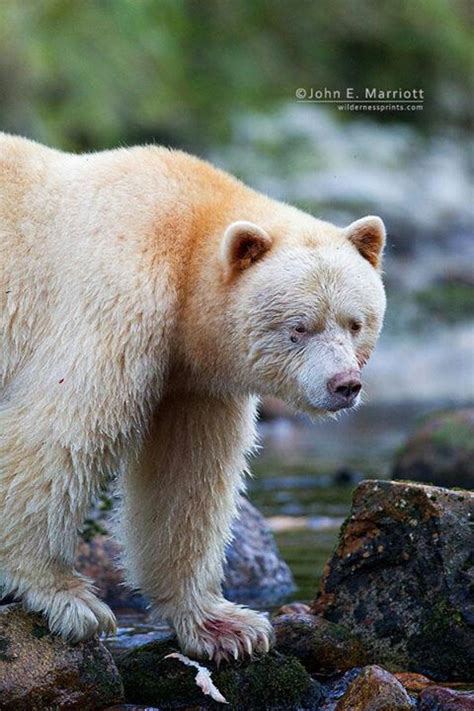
{"x": 44, "y": 496}
{"x": 179, "y": 501}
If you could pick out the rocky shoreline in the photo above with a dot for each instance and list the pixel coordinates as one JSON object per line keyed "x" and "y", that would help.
{"x": 391, "y": 628}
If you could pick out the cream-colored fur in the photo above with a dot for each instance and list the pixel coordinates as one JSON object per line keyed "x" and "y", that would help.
{"x": 146, "y": 298}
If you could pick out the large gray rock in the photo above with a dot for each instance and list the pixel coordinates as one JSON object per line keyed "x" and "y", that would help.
{"x": 255, "y": 574}
{"x": 402, "y": 578}
{"x": 40, "y": 671}
{"x": 441, "y": 452}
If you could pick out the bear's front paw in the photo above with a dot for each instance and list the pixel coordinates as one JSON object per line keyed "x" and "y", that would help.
{"x": 228, "y": 631}
{"x": 75, "y": 615}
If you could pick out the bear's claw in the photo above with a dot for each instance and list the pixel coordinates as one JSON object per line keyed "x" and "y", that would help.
{"x": 228, "y": 632}
{"x": 75, "y": 614}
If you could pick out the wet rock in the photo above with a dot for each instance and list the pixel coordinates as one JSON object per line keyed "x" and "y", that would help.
{"x": 255, "y": 574}
{"x": 436, "y": 698}
{"x": 269, "y": 682}
{"x": 375, "y": 689}
{"x": 323, "y": 647}
{"x": 41, "y": 671}
{"x": 401, "y": 578}
{"x": 441, "y": 452}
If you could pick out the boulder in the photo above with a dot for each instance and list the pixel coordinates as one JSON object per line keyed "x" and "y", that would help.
{"x": 375, "y": 689}
{"x": 323, "y": 647}
{"x": 441, "y": 452}
{"x": 41, "y": 671}
{"x": 401, "y": 578}
{"x": 437, "y": 698}
{"x": 255, "y": 574}
{"x": 270, "y": 682}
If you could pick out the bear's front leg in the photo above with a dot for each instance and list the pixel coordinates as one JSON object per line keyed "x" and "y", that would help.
{"x": 44, "y": 495}
{"x": 179, "y": 502}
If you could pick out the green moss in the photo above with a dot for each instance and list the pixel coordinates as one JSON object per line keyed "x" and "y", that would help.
{"x": 149, "y": 678}
{"x": 441, "y": 648}
{"x": 271, "y": 681}
{"x": 98, "y": 672}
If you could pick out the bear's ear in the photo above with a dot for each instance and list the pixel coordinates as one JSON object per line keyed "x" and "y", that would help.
{"x": 368, "y": 237}
{"x": 243, "y": 244}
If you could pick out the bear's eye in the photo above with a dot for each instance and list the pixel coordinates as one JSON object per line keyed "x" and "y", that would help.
{"x": 297, "y": 332}
{"x": 355, "y": 326}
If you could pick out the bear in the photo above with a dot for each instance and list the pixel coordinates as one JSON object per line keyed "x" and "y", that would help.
{"x": 148, "y": 299}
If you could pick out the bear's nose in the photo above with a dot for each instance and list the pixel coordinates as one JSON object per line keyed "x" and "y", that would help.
{"x": 345, "y": 387}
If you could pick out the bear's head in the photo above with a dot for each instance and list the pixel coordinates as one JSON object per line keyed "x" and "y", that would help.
{"x": 291, "y": 310}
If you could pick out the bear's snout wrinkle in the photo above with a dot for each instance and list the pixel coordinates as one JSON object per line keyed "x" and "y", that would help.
{"x": 344, "y": 388}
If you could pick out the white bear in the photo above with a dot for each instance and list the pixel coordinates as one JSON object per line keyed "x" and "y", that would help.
{"x": 146, "y": 300}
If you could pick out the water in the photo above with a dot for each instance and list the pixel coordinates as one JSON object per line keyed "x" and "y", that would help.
{"x": 305, "y": 473}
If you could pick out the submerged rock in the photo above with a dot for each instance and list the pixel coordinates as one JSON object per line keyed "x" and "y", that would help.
{"x": 254, "y": 573}
{"x": 441, "y": 452}
{"x": 401, "y": 578}
{"x": 41, "y": 671}
{"x": 268, "y": 682}
{"x": 323, "y": 647}
{"x": 375, "y": 689}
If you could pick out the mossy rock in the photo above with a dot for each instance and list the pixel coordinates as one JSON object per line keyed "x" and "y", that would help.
{"x": 323, "y": 647}
{"x": 441, "y": 452}
{"x": 401, "y": 578}
{"x": 39, "y": 670}
{"x": 268, "y": 682}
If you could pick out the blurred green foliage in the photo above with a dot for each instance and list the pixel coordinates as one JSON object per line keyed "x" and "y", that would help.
{"x": 84, "y": 74}
{"x": 448, "y": 303}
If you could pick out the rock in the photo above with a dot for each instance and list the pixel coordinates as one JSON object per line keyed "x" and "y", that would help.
{"x": 98, "y": 559}
{"x": 41, "y": 671}
{"x": 413, "y": 682}
{"x": 268, "y": 682}
{"x": 436, "y": 698}
{"x": 323, "y": 647}
{"x": 255, "y": 574}
{"x": 441, "y": 452}
{"x": 401, "y": 578}
{"x": 293, "y": 607}
{"x": 375, "y": 689}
